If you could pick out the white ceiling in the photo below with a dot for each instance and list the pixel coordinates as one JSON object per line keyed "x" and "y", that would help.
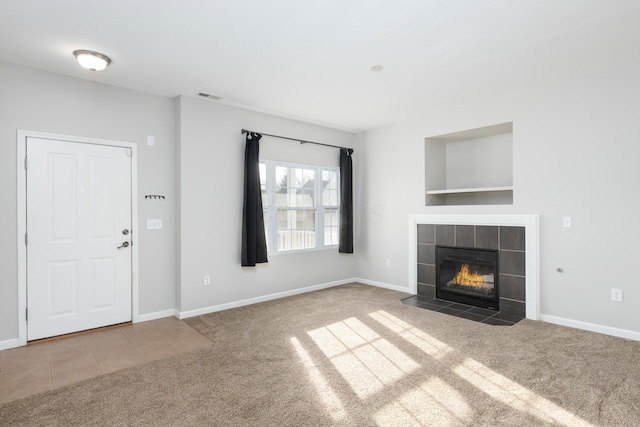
{"x": 311, "y": 59}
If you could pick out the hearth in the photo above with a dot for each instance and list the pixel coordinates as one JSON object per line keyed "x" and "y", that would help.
{"x": 468, "y": 276}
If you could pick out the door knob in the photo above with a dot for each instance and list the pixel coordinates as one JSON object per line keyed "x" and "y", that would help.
{"x": 125, "y": 231}
{"x": 124, "y": 245}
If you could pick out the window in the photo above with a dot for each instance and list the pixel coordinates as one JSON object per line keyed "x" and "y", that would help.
{"x": 300, "y": 205}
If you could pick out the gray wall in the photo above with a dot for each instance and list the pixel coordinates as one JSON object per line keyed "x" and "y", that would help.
{"x": 45, "y": 102}
{"x": 211, "y": 156}
{"x": 575, "y": 153}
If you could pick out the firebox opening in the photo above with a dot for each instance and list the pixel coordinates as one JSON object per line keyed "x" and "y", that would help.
{"x": 468, "y": 276}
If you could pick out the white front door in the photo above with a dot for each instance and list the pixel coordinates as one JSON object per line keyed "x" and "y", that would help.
{"x": 78, "y": 236}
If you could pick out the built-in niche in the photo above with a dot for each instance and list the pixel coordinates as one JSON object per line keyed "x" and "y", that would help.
{"x": 472, "y": 167}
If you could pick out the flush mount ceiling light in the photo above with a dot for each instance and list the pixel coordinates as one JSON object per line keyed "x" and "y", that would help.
{"x": 91, "y": 60}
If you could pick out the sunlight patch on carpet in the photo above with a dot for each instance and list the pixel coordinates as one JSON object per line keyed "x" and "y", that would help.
{"x": 425, "y": 342}
{"x": 432, "y": 403}
{"x": 364, "y": 359}
{"x": 513, "y": 394}
{"x": 329, "y": 398}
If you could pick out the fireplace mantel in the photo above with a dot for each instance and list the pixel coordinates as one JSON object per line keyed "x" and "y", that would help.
{"x": 529, "y": 222}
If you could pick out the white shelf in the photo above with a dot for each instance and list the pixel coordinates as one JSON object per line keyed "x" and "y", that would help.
{"x": 463, "y": 168}
{"x": 470, "y": 190}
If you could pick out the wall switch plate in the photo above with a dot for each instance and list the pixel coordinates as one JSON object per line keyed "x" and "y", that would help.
{"x": 151, "y": 141}
{"x": 388, "y": 263}
{"x": 566, "y": 222}
{"x": 616, "y": 295}
{"x": 207, "y": 280}
{"x": 154, "y": 224}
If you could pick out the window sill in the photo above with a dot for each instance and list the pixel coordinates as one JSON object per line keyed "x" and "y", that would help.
{"x": 302, "y": 251}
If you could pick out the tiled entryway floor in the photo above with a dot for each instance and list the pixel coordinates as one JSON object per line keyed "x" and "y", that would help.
{"x": 48, "y": 365}
{"x": 469, "y": 312}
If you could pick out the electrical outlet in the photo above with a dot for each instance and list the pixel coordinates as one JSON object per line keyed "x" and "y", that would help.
{"x": 207, "y": 280}
{"x": 616, "y": 295}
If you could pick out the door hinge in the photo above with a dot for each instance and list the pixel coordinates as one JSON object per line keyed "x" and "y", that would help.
{"x": 26, "y": 314}
{"x": 25, "y": 163}
{"x": 129, "y": 152}
{"x": 26, "y": 241}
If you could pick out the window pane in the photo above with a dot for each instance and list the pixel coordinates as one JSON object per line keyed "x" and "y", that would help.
{"x": 263, "y": 183}
{"x": 306, "y": 188}
{"x": 295, "y": 187}
{"x": 329, "y": 188}
{"x": 310, "y": 219}
{"x": 282, "y": 181}
{"x": 296, "y": 229}
{"x": 330, "y": 236}
{"x": 306, "y": 197}
{"x": 265, "y": 216}
{"x": 331, "y": 226}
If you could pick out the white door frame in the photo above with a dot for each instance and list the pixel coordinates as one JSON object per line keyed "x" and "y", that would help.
{"x": 22, "y": 218}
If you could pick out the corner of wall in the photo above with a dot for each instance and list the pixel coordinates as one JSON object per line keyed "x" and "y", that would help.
{"x": 178, "y": 181}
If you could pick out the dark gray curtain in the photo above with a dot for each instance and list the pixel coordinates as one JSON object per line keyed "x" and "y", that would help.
{"x": 254, "y": 243}
{"x": 346, "y": 202}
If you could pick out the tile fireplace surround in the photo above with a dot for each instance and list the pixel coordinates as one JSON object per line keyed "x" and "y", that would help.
{"x": 514, "y": 236}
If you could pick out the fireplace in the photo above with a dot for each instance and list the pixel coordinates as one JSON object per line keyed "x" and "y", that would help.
{"x": 514, "y": 245}
{"x": 468, "y": 276}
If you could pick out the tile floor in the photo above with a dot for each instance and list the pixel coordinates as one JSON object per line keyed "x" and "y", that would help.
{"x": 48, "y": 365}
{"x": 469, "y": 312}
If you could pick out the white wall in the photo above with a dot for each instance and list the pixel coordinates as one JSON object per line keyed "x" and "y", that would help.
{"x": 575, "y": 153}
{"x": 211, "y": 155}
{"x": 45, "y": 102}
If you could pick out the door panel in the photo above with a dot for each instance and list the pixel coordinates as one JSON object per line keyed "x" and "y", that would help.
{"x": 63, "y": 170}
{"x": 63, "y": 283}
{"x": 78, "y": 203}
{"x": 104, "y": 283}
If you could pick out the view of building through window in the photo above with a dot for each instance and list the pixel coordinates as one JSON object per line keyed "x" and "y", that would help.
{"x": 298, "y": 201}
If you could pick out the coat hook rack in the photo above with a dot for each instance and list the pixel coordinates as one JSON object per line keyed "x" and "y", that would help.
{"x": 154, "y": 196}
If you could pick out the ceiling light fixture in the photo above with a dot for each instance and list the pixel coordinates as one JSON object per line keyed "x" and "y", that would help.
{"x": 377, "y": 68}
{"x": 91, "y": 60}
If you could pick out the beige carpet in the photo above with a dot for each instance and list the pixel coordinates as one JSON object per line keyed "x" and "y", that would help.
{"x": 355, "y": 356}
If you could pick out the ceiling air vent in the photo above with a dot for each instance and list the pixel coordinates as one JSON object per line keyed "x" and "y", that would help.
{"x": 213, "y": 97}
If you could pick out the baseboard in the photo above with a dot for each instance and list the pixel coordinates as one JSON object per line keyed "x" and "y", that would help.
{"x": 156, "y": 315}
{"x": 263, "y": 298}
{"x": 7, "y": 344}
{"x": 607, "y": 330}
{"x": 382, "y": 285}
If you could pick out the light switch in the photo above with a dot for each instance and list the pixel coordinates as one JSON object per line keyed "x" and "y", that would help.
{"x": 566, "y": 222}
{"x": 154, "y": 224}
{"x": 151, "y": 141}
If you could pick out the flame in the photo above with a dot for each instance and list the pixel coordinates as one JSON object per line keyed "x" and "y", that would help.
{"x": 466, "y": 277}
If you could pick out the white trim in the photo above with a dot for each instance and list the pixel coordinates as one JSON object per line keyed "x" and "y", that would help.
{"x": 156, "y": 315}
{"x": 249, "y": 301}
{"x": 532, "y": 266}
{"x": 471, "y": 190}
{"x": 404, "y": 289}
{"x": 7, "y": 344}
{"x": 592, "y": 327}
{"x": 21, "y": 139}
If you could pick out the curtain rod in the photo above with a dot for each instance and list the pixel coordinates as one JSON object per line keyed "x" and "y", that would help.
{"x": 301, "y": 141}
